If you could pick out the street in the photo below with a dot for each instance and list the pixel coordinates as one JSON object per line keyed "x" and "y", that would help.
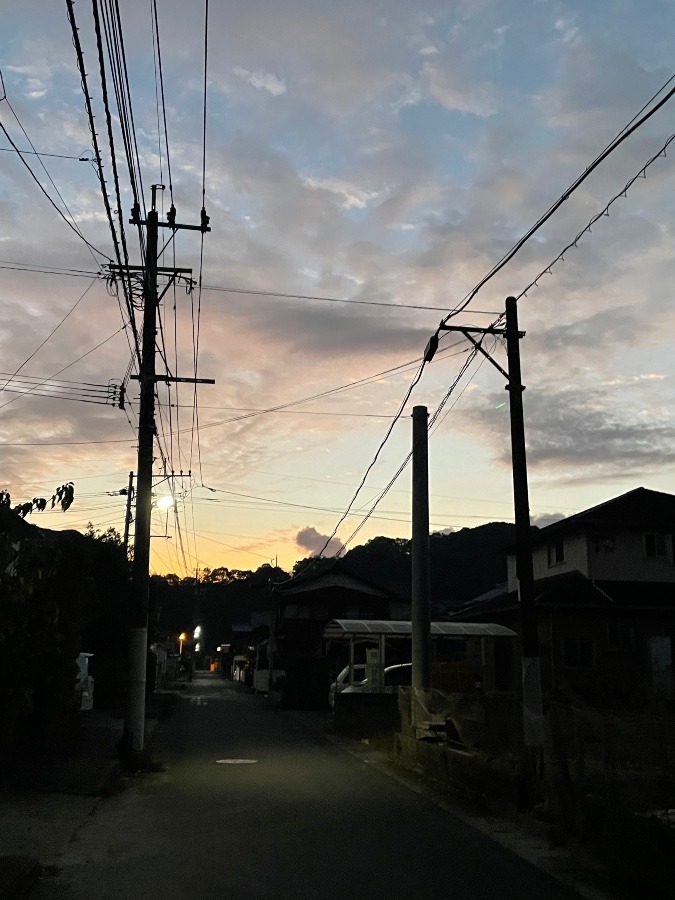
{"x": 257, "y": 802}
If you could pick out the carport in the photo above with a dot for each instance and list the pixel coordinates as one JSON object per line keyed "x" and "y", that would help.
{"x": 379, "y": 630}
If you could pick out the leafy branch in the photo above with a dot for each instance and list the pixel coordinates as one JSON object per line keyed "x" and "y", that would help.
{"x": 63, "y": 496}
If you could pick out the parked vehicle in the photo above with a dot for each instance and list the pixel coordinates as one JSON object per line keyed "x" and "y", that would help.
{"x": 341, "y": 683}
{"x": 394, "y": 676}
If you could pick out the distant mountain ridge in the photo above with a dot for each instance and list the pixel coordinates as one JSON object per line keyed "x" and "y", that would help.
{"x": 463, "y": 564}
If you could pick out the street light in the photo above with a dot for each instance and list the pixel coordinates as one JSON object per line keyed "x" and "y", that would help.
{"x": 181, "y": 637}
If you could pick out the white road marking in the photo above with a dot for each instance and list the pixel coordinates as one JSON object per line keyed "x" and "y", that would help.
{"x": 235, "y": 762}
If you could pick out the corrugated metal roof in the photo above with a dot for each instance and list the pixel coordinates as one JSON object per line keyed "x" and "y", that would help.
{"x": 345, "y": 628}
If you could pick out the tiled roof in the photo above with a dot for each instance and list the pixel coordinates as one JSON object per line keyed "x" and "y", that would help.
{"x": 640, "y": 507}
{"x": 574, "y": 591}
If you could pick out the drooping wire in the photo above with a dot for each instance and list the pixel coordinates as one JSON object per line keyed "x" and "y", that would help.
{"x": 85, "y": 392}
{"x": 68, "y": 366}
{"x": 161, "y": 89}
{"x": 206, "y": 60}
{"x": 398, "y": 415}
{"x": 383, "y": 493}
{"x": 49, "y": 336}
{"x": 336, "y": 390}
{"x": 34, "y": 152}
{"x": 40, "y": 153}
{"x": 112, "y": 29}
{"x": 603, "y": 212}
{"x": 634, "y": 124}
{"x": 124, "y": 259}
{"x": 283, "y": 296}
{"x": 73, "y": 228}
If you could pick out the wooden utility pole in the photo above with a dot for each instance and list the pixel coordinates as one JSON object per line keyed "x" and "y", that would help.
{"x": 134, "y": 726}
{"x": 420, "y": 612}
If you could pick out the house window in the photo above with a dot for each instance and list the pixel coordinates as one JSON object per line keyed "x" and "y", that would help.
{"x": 655, "y": 544}
{"x": 578, "y": 652}
{"x": 556, "y": 553}
{"x": 620, "y": 636}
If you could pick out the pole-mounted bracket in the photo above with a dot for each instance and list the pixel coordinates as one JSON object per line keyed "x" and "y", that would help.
{"x": 468, "y": 333}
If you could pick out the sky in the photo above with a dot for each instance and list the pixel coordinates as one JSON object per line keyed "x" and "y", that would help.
{"x": 380, "y": 152}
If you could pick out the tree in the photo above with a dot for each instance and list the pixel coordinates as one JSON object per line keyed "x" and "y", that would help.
{"x": 109, "y": 536}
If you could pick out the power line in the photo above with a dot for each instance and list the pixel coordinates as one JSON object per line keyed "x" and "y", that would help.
{"x": 609, "y": 149}
{"x": 351, "y": 384}
{"x": 53, "y": 155}
{"x": 73, "y": 227}
{"x": 63, "y": 369}
{"x": 124, "y": 258}
{"x": 50, "y": 335}
{"x": 376, "y": 456}
{"x": 603, "y": 212}
{"x": 39, "y": 156}
{"x": 383, "y": 493}
{"x": 283, "y": 296}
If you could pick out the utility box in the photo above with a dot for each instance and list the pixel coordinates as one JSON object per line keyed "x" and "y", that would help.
{"x": 84, "y": 684}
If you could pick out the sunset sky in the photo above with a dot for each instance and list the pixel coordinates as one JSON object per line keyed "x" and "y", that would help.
{"x": 383, "y": 152}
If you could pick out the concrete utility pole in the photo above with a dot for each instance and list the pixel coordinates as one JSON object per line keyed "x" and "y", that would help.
{"x": 421, "y": 611}
{"x": 134, "y": 726}
{"x": 529, "y": 640}
{"x": 140, "y": 577}
{"x": 531, "y": 669}
{"x": 128, "y": 517}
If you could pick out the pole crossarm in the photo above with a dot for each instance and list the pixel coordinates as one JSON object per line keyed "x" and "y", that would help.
{"x": 172, "y": 378}
{"x": 468, "y": 333}
{"x": 161, "y": 270}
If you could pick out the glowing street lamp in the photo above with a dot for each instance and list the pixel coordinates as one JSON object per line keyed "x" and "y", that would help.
{"x": 181, "y": 637}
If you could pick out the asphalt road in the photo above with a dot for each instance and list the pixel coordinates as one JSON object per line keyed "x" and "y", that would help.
{"x": 256, "y": 804}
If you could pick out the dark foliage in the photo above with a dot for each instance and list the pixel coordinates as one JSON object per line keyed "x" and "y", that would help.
{"x": 59, "y": 591}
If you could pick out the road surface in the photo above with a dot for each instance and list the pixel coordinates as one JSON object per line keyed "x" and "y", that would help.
{"x": 257, "y": 804}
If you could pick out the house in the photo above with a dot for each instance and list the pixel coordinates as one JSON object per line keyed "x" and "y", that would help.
{"x": 305, "y": 605}
{"x": 604, "y": 598}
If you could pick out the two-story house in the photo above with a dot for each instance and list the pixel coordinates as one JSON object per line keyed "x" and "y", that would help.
{"x": 605, "y": 600}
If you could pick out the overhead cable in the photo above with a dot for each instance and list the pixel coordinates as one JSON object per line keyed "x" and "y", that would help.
{"x": 609, "y": 149}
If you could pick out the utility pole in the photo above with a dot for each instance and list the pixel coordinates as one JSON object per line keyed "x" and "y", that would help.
{"x": 420, "y": 613}
{"x": 128, "y": 516}
{"x": 529, "y": 640}
{"x": 134, "y": 726}
{"x": 530, "y": 660}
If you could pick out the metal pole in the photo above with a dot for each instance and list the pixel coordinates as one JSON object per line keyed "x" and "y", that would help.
{"x": 138, "y": 624}
{"x": 531, "y": 670}
{"x": 420, "y": 613}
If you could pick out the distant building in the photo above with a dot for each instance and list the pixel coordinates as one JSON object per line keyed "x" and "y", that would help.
{"x": 305, "y": 605}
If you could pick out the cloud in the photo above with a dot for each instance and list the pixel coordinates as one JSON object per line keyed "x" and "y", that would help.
{"x": 310, "y": 539}
{"x": 457, "y": 93}
{"x": 351, "y": 196}
{"x": 265, "y": 81}
{"x": 582, "y": 433}
{"x": 544, "y": 519}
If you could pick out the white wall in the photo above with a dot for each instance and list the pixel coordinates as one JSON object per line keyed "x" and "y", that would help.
{"x": 628, "y": 561}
